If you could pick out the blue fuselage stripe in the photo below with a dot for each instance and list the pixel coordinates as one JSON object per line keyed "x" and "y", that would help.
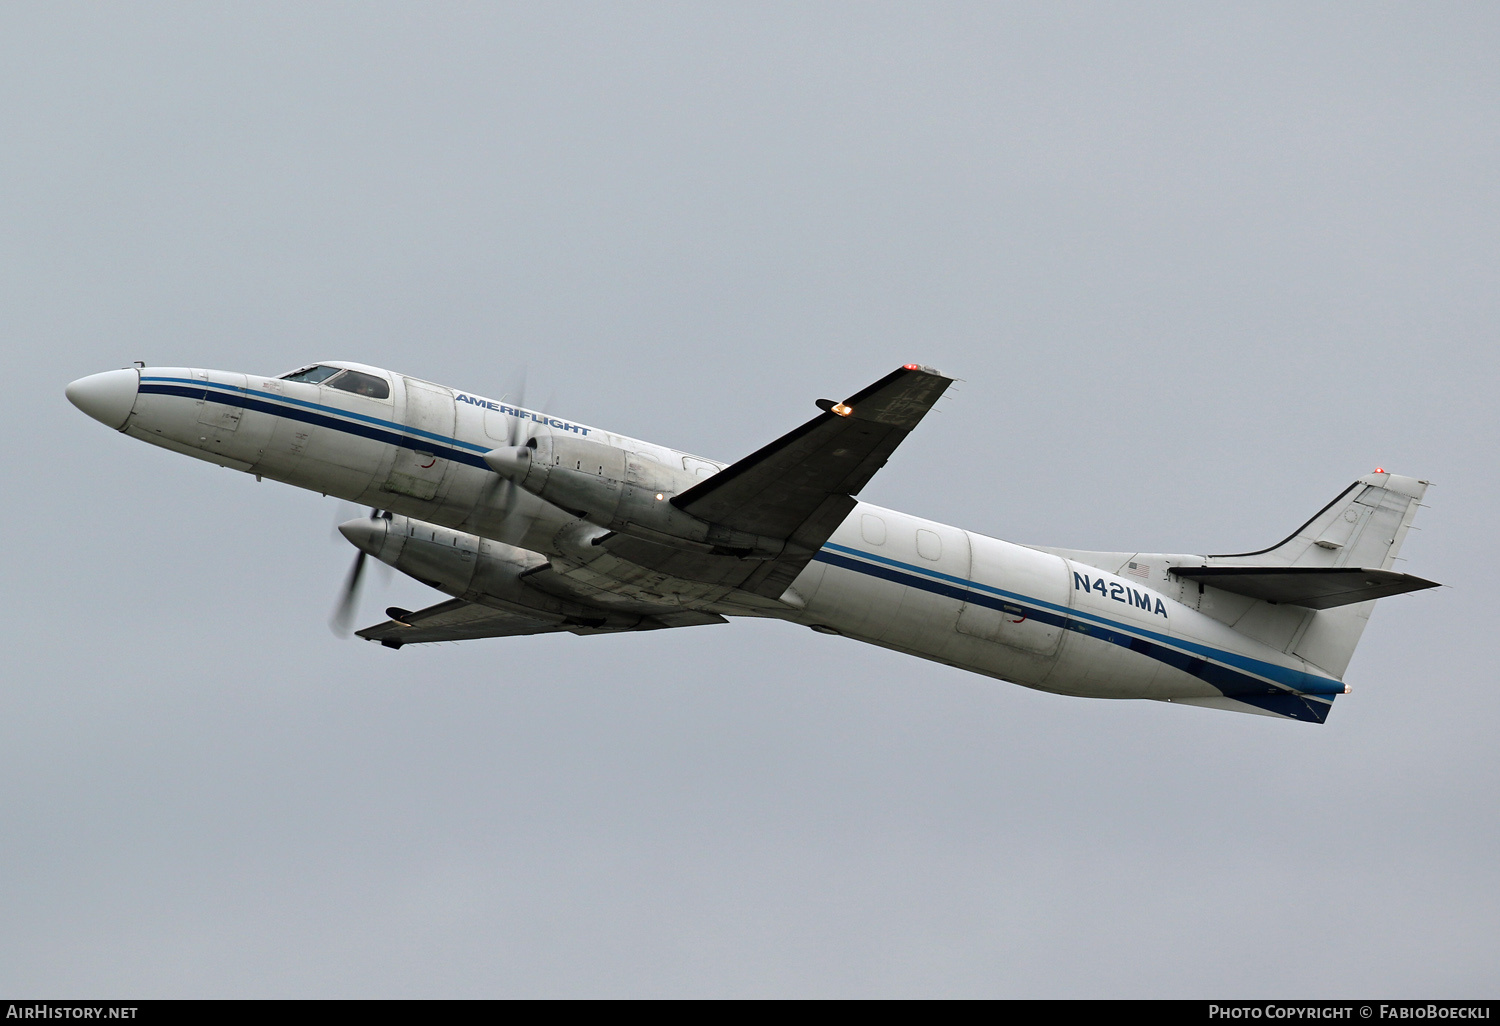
{"x": 1231, "y": 682}
{"x": 222, "y": 393}
{"x": 1235, "y": 683}
{"x": 1298, "y": 680}
{"x": 307, "y": 413}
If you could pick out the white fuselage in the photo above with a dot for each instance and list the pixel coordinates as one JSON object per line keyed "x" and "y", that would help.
{"x": 1008, "y": 611}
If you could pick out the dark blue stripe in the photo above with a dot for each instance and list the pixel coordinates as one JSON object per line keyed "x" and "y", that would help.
{"x": 220, "y": 389}
{"x": 1294, "y": 706}
{"x": 1297, "y": 680}
{"x": 1229, "y": 682}
{"x": 308, "y": 416}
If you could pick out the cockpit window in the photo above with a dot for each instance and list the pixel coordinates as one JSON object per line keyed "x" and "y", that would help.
{"x": 361, "y": 384}
{"x": 312, "y": 374}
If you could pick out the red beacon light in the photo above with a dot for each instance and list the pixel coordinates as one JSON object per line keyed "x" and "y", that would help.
{"x": 1380, "y": 470}
{"x": 911, "y": 366}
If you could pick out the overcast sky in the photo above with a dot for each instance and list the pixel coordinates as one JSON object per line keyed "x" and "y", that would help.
{"x": 1198, "y": 266}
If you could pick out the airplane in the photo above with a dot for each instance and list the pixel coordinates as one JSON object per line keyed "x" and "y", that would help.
{"x": 536, "y": 524}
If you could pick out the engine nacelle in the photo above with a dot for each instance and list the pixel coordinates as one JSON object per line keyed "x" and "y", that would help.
{"x": 621, "y": 491}
{"x": 465, "y": 566}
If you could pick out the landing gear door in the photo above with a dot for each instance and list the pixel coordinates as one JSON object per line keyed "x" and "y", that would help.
{"x": 418, "y": 470}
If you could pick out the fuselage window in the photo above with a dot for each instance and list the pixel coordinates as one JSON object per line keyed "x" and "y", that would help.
{"x": 361, "y": 384}
{"x": 929, "y": 545}
{"x": 311, "y": 374}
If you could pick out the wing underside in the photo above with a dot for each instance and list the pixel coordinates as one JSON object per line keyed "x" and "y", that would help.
{"x": 796, "y": 490}
{"x": 458, "y": 620}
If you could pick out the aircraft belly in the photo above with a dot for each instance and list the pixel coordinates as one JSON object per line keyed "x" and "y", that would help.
{"x": 614, "y": 581}
{"x": 166, "y": 441}
{"x": 921, "y": 623}
{"x": 1094, "y": 668}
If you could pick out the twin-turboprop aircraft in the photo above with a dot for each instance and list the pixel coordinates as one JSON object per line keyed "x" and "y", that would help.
{"x": 536, "y": 524}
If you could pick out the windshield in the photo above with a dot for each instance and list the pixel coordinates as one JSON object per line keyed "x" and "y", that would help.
{"x": 361, "y": 384}
{"x": 358, "y": 382}
{"x": 312, "y": 374}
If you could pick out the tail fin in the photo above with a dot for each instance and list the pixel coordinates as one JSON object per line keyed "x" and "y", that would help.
{"x": 1362, "y": 528}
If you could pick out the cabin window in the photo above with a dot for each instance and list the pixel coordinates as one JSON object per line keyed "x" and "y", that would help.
{"x": 929, "y": 545}
{"x": 361, "y": 384}
{"x": 699, "y": 468}
{"x": 872, "y": 529}
{"x": 311, "y": 374}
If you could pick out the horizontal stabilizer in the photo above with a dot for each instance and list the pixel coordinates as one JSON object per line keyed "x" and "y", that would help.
{"x": 1308, "y": 586}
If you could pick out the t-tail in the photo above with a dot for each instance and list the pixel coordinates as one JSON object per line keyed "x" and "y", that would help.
{"x": 1308, "y": 597}
{"x": 1335, "y": 565}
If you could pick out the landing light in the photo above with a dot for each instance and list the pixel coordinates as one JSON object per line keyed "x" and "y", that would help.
{"x": 659, "y": 496}
{"x": 842, "y": 409}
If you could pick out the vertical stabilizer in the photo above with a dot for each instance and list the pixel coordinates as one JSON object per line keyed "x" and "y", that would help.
{"x": 1363, "y": 527}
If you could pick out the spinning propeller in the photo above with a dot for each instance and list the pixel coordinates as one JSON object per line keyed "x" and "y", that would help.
{"x": 342, "y": 621}
{"x": 501, "y": 492}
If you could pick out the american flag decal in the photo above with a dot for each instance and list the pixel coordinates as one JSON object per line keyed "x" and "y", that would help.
{"x": 1138, "y": 569}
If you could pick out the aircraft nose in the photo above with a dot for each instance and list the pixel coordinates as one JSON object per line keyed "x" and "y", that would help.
{"x": 108, "y": 397}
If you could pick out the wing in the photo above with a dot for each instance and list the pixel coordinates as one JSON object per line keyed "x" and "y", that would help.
{"x": 798, "y": 489}
{"x": 457, "y": 620}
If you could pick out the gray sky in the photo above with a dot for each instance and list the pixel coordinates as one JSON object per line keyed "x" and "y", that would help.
{"x": 1199, "y": 266}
